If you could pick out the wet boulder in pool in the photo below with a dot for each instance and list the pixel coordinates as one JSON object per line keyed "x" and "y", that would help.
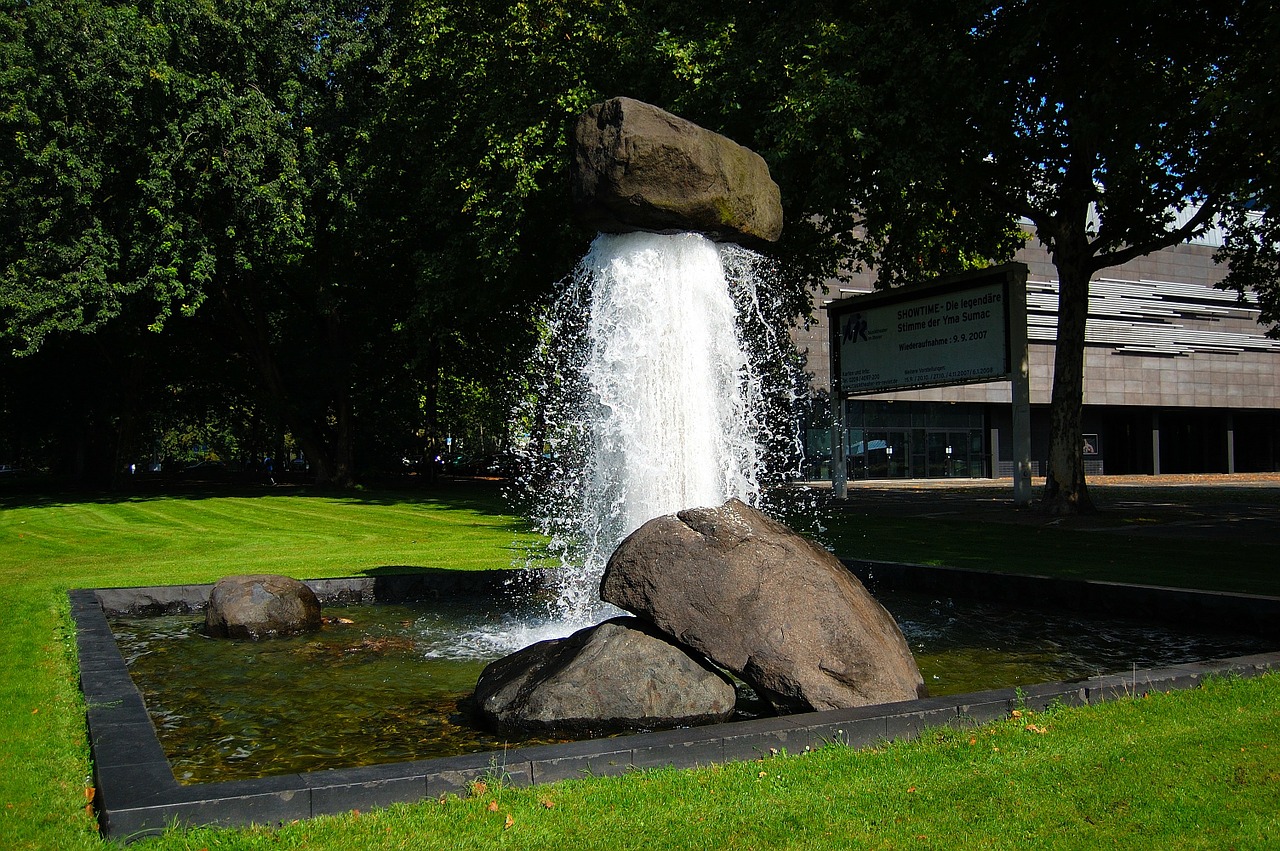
{"x": 261, "y": 606}
{"x": 767, "y": 605}
{"x": 618, "y": 675}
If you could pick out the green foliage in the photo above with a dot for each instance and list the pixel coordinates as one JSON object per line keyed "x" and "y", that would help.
{"x": 344, "y": 212}
{"x": 1253, "y": 228}
{"x": 150, "y": 153}
{"x": 334, "y": 209}
{"x": 854, "y": 147}
{"x": 166, "y": 178}
{"x": 68, "y": 141}
{"x": 934, "y": 127}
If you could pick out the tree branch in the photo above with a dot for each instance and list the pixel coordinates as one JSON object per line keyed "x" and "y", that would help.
{"x": 1205, "y": 214}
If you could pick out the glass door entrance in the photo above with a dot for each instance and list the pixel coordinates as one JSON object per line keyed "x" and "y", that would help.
{"x": 888, "y": 455}
{"x": 910, "y": 440}
{"x": 951, "y": 454}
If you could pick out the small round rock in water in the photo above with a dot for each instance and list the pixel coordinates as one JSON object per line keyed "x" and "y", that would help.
{"x": 261, "y": 606}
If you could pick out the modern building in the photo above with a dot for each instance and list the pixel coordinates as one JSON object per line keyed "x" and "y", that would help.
{"x": 1179, "y": 378}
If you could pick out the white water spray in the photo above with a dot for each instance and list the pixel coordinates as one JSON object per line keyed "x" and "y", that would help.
{"x": 653, "y": 399}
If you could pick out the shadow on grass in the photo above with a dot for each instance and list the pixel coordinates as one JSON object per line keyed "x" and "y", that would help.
{"x": 483, "y": 496}
{"x": 400, "y": 570}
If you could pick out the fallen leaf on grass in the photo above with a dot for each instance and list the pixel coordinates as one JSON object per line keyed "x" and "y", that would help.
{"x": 547, "y": 803}
{"x": 479, "y": 788}
{"x": 1035, "y": 728}
{"x": 506, "y": 825}
{"x": 493, "y": 806}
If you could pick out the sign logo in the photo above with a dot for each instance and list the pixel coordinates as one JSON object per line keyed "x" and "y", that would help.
{"x": 855, "y": 326}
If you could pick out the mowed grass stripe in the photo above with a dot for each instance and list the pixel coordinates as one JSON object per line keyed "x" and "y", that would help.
{"x": 129, "y": 540}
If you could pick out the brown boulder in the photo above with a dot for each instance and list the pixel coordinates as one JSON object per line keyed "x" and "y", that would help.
{"x": 766, "y": 604}
{"x": 637, "y": 167}
{"x": 261, "y": 606}
{"x": 617, "y": 675}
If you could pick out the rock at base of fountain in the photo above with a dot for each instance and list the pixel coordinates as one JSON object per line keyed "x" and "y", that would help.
{"x": 766, "y": 604}
{"x": 638, "y": 167}
{"x": 261, "y": 606}
{"x": 616, "y": 676}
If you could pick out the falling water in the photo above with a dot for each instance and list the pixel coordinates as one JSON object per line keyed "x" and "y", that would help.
{"x": 652, "y": 397}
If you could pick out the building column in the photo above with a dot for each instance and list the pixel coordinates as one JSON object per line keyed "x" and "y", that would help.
{"x": 1155, "y": 443}
{"x": 995, "y": 453}
{"x": 1231, "y": 443}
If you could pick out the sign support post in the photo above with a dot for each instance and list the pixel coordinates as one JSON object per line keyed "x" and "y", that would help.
{"x": 1020, "y": 377}
{"x": 839, "y": 469}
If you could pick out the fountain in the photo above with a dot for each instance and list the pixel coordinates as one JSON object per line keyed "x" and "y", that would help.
{"x": 652, "y": 398}
{"x": 655, "y": 453}
{"x": 663, "y": 434}
{"x": 384, "y": 689}
{"x": 657, "y": 403}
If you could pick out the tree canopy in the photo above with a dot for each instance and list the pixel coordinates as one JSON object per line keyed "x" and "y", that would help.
{"x": 341, "y": 212}
{"x": 338, "y": 216}
{"x": 1109, "y": 135}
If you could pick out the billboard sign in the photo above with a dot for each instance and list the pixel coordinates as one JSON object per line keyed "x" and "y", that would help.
{"x": 924, "y": 336}
{"x": 962, "y": 330}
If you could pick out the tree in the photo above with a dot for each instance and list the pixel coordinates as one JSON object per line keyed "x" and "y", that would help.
{"x": 190, "y": 169}
{"x": 1252, "y": 246}
{"x": 332, "y": 206}
{"x": 70, "y": 155}
{"x": 472, "y": 168}
{"x": 1110, "y": 133}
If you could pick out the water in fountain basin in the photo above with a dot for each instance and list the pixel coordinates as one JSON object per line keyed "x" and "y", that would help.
{"x": 652, "y": 398}
{"x": 386, "y": 685}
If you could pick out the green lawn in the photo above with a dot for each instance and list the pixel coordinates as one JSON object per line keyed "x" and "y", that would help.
{"x": 1196, "y": 769}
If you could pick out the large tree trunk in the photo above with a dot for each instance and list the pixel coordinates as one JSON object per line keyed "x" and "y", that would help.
{"x": 1065, "y": 491}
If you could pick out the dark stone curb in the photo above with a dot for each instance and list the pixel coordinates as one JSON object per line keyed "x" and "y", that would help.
{"x": 137, "y": 795}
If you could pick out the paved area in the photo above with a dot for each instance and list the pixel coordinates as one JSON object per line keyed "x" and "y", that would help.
{"x": 1193, "y": 506}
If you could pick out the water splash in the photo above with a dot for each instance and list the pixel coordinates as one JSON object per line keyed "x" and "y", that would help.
{"x": 657, "y": 382}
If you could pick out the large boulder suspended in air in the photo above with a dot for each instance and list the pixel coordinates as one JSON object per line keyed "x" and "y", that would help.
{"x": 617, "y": 675}
{"x": 261, "y": 605}
{"x": 637, "y": 167}
{"x": 766, "y": 604}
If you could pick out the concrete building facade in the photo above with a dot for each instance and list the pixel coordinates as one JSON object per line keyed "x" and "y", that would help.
{"x": 1179, "y": 378}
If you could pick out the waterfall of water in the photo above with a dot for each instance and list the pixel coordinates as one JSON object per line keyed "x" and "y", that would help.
{"x": 652, "y": 398}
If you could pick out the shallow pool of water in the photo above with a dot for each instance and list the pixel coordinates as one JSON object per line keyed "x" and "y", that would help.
{"x": 382, "y": 683}
{"x": 963, "y": 646}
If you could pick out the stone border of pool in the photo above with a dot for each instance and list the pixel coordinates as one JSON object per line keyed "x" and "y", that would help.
{"x": 137, "y": 795}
